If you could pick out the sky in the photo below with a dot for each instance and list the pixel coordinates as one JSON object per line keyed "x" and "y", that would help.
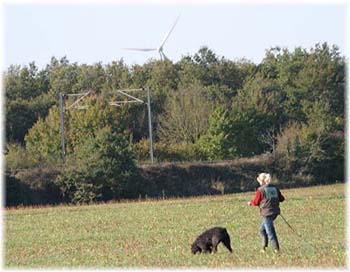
{"x": 90, "y": 32}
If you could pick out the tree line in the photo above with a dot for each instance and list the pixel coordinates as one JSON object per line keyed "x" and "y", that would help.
{"x": 204, "y": 107}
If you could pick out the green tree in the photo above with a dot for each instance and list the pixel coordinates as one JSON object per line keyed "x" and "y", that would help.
{"x": 215, "y": 144}
{"x": 43, "y": 139}
{"x": 27, "y": 99}
{"x": 201, "y": 68}
{"x": 186, "y": 115}
{"x": 117, "y": 76}
{"x": 314, "y": 150}
{"x": 25, "y": 82}
{"x": 82, "y": 124}
{"x": 19, "y": 118}
{"x": 89, "y": 77}
{"x": 235, "y": 134}
{"x": 323, "y": 78}
{"x": 63, "y": 76}
{"x": 306, "y": 77}
{"x": 104, "y": 169}
{"x": 22, "y": 114}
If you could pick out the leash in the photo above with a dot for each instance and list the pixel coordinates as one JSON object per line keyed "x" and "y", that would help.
{"x": 290, "y": 226}
{"x": 296, "y": 233}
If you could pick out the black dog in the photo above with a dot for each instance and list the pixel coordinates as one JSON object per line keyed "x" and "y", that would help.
{"x": 208, "y": 241}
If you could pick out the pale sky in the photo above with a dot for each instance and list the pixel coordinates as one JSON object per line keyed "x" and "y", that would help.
{"x": 94, "y": 32}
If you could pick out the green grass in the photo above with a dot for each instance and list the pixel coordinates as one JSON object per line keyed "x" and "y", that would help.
{"x": 159, "y": 233}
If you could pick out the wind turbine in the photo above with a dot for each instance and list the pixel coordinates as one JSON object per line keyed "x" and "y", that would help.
{"x": 161, "y": 46}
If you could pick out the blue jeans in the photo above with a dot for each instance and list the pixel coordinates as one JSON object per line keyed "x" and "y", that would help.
{"x": 268, "y": 232}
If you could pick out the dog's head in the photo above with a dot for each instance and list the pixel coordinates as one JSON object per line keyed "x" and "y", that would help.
{"x": 195, "y": 248}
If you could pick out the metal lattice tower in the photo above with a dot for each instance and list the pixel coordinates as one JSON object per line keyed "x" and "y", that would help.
{"x": 128, "y": 99}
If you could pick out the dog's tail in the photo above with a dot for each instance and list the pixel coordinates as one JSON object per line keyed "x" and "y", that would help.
{"x": 227, "y": 241}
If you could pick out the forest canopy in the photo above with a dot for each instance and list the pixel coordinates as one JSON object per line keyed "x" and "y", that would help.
{"x": 204, "y": 107}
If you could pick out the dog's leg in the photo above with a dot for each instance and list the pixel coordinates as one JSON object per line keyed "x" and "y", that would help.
{"x": 207, "y": 248}
{"x": 210, "y": 247}
{"x": 215, "y": 244}
{"x": 203, "y": 247}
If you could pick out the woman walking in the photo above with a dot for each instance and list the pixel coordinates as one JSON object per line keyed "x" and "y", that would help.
{"x": 268, "y": 198}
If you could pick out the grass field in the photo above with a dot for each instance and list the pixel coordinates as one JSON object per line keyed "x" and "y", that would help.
{"x": 159, "y": 233}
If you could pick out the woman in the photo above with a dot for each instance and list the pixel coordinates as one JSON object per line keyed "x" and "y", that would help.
{"x": 268, "y": 198}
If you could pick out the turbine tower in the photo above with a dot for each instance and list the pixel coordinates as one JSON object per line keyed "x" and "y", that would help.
{"x": 161, "y": 46}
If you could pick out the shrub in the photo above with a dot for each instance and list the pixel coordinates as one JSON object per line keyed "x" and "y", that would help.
{"x": 17, "y": 157}
{"x": 44, "y": 139}
{"x": 288, "y": 149}
{"x": 103, "y": 169}
{"x": 165, "y": 151}
{"x": 302, "y": 151}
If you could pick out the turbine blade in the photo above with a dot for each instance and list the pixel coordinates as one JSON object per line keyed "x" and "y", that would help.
{"x": 168, "y": 34}
{"x": 165, "y": 57}
{"x": 141, "y": 49}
